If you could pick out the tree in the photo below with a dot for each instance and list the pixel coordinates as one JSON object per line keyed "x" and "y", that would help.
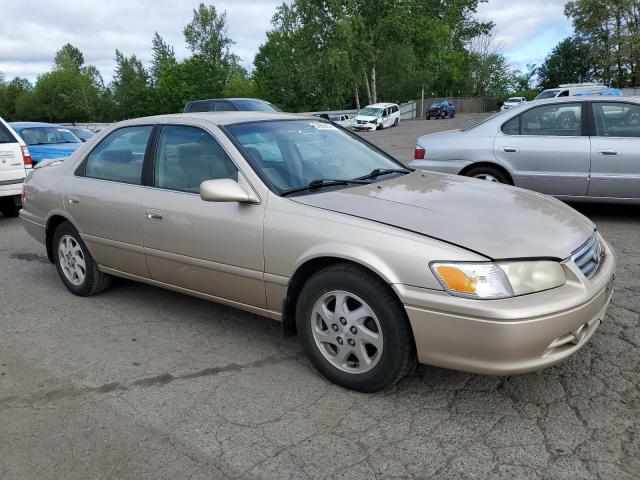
{"x": 68, "y": 56}
{"x": 611, "y": 30}
{"x": 239, "y": 85}
{"x": 163, "y": 57}
{"x": 131, "y": 88}
{"x": 206, "y": 36}
{"x": 568, "y": 62}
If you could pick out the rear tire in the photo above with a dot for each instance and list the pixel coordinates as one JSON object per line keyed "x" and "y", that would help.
{"x": 76, "y": 267}
{"x": 337, "y": 335}
{"x": 491, "y": 174}
{"x": 8, "y": 207}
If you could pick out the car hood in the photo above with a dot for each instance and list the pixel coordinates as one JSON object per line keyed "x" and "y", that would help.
{"x": 366, "y": 117}
{"x": 56, "y": 150}
{"x": 497, "y": 221}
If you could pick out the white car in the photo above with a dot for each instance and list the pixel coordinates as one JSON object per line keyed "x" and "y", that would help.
{"x": 377, "y": 117}
{"x": 14, "y": 160}
{"x": 512, "y": 102}
{"x": 579, "y": 89}
{"x": 343, "y": 120}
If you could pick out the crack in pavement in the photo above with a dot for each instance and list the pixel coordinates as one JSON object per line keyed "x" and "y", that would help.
{"x": 157, "y": 380}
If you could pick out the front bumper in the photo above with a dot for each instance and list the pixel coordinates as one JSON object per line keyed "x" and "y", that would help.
{"x": 365, "y": 126}
{"x": 509, "y": 336}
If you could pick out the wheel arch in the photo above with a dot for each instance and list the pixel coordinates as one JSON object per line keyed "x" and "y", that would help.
{"x": 495, "y": 165}
{"x": 304, "y": 272}
{"x": 52, "y": 223}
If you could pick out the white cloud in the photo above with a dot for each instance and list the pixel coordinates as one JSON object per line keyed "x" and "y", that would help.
{"x": 32, "y": 30}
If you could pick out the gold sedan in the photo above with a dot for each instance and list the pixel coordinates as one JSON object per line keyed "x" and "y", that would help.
{"x": 374, "y": 265}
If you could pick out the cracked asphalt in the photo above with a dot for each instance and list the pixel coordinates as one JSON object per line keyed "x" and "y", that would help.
{"x": 140, "y": 382}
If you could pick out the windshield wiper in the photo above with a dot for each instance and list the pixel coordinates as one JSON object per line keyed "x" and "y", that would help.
{"x": 376, "y": 172}
{"x": 323, "y": 182}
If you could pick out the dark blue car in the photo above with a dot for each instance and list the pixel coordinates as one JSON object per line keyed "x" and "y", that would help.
{"x": 47, "y": 141}
{"x": 443, "y": 109}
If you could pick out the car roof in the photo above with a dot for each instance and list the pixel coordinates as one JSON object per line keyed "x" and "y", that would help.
{"x": 227, "y": 99}
{"x": 381, "y": 105}
{"x": 32, "y": 124}
{"x": 582, "y": 98}
{"x": 221, "y": 118}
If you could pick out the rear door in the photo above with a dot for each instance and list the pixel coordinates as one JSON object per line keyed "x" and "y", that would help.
{"x": 104, "y": 198}
{"x": 547, "y": 149}
{"x": 12, "y": 170}
{"x": 615, "y": 150}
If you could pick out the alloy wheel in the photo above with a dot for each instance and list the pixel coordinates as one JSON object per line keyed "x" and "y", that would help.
{"x": 72, "y": 260}
{"x": 347, "y": 332}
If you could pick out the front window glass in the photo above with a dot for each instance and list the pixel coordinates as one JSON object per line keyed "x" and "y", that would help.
{"x": 370, "y": 111}
{"x": 119, "y": 156}
{"x": 48, "y": 136}
{"x": 293, "y": 153}
{"x": 187, "y": 156}
{"x": 616, "y": 119}
{"x": 563, "y": 119}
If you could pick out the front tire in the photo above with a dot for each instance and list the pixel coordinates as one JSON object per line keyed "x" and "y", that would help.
{"x": 395, "y": 123}
{"x": 354, "y": 329}
{"x": 488, "y": 173}
{"x": 75, "y": 265}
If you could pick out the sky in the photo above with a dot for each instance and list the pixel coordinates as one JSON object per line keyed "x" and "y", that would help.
{"x": 32, "y": 30}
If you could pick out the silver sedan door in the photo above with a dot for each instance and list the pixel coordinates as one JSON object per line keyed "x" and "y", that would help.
{"x": 546, "y": 149}
{"x": 615, "y": 150}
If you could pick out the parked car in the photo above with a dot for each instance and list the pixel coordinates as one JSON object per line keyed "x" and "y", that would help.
{"x": 579, "y": 89}
{"x": 230, "y": 105}
{"x": 46, "y": 140}
{"x": 15, "y": 159}
{"x": 377, "y": 117}
{"x": 443, "y": 109}
{"x": 512, "y": 102}
{"x": 83, "y": 134}
{"x": 300, "y": 221}
{"x": 343, "y": 120}
{"x": 580, "y": 148}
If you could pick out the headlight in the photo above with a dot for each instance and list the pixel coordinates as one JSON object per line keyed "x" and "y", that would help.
{"x": 498, "y": 280}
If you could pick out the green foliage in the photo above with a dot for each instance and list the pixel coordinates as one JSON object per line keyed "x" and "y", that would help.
{"x": 568, "y": 62}
{"x": 611, "y": 31}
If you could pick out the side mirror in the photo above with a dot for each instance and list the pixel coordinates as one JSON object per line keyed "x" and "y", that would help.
{"x": 225, "y": 190}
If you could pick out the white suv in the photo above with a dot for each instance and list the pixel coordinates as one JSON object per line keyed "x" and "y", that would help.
{"x": 14, "y": 160}
{"x": 377, "y": 117}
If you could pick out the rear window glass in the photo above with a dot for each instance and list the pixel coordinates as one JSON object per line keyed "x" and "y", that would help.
{"x": 198, "y": 107}
{"x": 5, "y": 135}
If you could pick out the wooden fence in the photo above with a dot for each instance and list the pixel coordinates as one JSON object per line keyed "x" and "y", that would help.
{"x": 462, "y": 104}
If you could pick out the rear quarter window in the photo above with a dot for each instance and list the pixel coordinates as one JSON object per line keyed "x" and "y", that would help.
{"x": 6, "y": 136}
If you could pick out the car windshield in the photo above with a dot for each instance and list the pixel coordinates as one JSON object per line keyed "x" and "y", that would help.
{"x": 513, "y": 100}
{"x": 82, "y": 133}
{"x": 48, "y": 135}
{"x": 370, "y": 111}
{"x": 436, "y": 105}
{"x": 546, "y": 94}
{"x": 252, "y": 105}
{"x": 334, "y": 118}
{"x": 293, "y": 153}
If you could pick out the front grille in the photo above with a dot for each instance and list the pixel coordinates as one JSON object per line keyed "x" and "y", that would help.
{"x": 589, "y": 256}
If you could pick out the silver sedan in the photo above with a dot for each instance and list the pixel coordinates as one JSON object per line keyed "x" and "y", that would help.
{"x": 576, "y": 148}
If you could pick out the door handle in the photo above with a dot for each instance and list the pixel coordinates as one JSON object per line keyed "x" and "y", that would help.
{"x": 510, "y": 149}
{"x": 73, "y": 200}
{"x": 607, "y": 152}
{"x": 154, "y": 216}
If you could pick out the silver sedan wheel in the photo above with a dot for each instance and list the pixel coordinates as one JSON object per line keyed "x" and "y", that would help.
{"x": 487, "y": 176}
{"x": 347, "y": 332}
{"x": 72, "y": 260}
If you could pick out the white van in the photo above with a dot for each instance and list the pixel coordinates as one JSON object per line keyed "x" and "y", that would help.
{"x": 377, "y": 117}
{"x": 14, "y": 160}
{"x": 579, "y": 89}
